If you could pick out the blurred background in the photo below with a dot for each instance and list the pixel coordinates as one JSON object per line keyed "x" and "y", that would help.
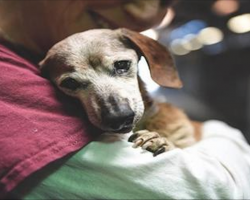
{"x": 210, "y": 41}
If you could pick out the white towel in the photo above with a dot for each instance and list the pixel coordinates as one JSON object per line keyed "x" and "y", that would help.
{"x": 218, "y": 167}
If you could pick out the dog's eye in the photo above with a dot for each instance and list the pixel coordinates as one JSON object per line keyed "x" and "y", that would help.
{"x": 122, "y": 66}
{"x": 70, "y": 83}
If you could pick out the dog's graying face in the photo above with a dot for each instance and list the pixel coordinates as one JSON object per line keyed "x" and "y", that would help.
{"x": 99, "y": 67}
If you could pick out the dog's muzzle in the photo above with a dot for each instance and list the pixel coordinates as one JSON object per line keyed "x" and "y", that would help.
{"x": 117, "y": 115}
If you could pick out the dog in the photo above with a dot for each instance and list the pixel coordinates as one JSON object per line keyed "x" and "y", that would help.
{"x": 99, "y": 67}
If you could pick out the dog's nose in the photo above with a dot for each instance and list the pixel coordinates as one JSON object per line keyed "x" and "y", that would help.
{"x": 120, "y": 122}
{"x": 119, "y": 117}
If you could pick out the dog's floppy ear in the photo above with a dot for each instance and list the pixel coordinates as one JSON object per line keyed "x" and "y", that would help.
{"x": 52, "y": 64}
{"x": 160, "y": 61}
{"x": 48, "y": 66}
{"x": 44, "y": 67}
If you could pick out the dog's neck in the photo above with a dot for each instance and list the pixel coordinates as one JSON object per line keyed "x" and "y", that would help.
{"x": 148, "y": 113}
{"x": 147, "y": 100}
{"x": 150, "y": 105}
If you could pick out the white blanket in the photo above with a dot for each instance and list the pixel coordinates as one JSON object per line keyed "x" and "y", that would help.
{"x": 218, "y": 167}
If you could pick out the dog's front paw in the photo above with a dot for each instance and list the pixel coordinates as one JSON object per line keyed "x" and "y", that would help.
{"x": 151, "y": 141}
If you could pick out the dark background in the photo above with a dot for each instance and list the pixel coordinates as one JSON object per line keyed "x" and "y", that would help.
{"x": 216, "y": 77}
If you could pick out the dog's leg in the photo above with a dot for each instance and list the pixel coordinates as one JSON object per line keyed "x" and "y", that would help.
{"x": 164, "y": 127}
{"x": 172, "y": 123}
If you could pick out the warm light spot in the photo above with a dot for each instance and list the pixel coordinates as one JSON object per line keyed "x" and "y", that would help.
{"x": 225, "y": 7}
{"x": 240, "y": 23}
{"x": 178, "y": 48}
{"x": 191, "y": 42}
{"x": 210, "y": 35}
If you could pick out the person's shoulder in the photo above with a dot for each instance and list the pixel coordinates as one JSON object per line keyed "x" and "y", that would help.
{"x": 6, "y": 54}
{"x": 5, "y": 51}
{"x": 11, "y": 59}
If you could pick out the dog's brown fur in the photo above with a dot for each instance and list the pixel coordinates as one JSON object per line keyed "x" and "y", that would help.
{"x": 166, "y": 126}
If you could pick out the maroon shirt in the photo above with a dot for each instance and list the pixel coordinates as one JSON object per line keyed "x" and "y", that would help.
{"x": 38, "y": 124}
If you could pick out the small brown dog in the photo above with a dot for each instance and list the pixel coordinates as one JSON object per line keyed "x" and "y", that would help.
{"x": 99, "y": 67}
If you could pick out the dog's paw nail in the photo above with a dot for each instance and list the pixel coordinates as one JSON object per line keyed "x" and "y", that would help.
{"x": 138, "y": 143}
{"x": 132, "y": 137}
{"x": 149, "y": 149}
{"x": 147, "y": 145}
{"x": 159, "y": 151}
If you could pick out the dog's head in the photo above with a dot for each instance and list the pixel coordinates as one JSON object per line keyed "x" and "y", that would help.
{"x": 99, "y": 67}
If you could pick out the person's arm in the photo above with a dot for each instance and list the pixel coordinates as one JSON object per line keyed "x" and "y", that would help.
{"x": 218, "y": 167}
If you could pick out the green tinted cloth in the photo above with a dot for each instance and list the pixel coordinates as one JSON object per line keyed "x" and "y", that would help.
{"x": 218, "y": 167}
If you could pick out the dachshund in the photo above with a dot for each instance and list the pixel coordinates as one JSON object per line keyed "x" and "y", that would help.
{"x": 100, "y": 68}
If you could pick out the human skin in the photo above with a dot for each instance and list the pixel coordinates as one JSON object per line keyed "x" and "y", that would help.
{"x": 38, "y": 25}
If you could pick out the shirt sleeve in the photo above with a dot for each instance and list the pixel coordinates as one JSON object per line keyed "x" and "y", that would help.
{"x": 39, "y": 124}
{"x": 218, "y": 167}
